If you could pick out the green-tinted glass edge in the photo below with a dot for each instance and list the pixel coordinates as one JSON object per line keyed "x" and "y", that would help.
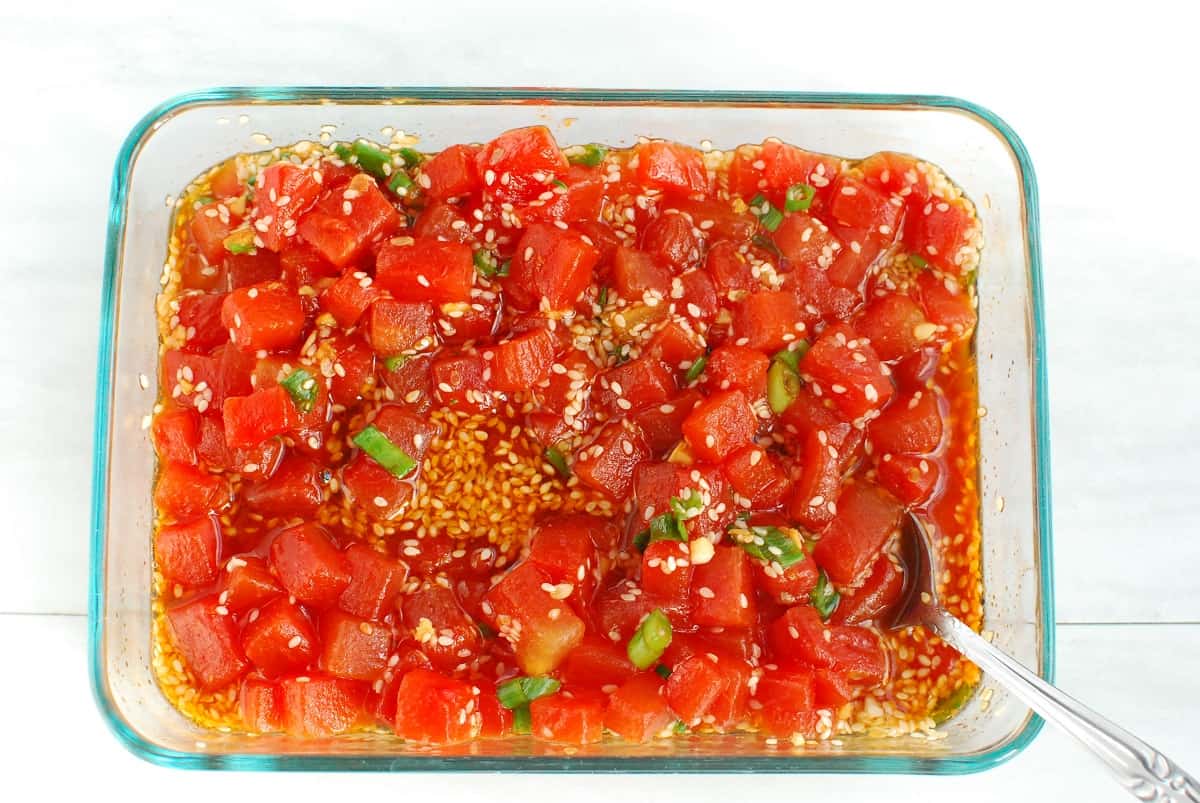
{"x": 953, "y": 765}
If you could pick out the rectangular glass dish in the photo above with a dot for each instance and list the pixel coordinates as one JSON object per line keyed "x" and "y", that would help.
{"x": 186, "y": 135}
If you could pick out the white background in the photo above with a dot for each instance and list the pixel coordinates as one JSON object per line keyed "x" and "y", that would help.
{"x": 1104, "y": 102}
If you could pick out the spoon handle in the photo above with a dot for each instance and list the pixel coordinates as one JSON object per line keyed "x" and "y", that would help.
{"x": 1145, "y": 772}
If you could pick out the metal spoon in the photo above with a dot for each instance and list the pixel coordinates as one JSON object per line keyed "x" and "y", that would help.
{"x": 1145, "y": 772}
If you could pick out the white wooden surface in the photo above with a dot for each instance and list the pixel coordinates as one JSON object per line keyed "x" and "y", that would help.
{"x": 1101, "y": 100}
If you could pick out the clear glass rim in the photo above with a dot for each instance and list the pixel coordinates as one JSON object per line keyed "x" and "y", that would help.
{"x": 780, "y": 763}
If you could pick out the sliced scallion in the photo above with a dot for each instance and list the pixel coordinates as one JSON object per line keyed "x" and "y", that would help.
{"x": 411, "y": 157}
{"x": 772, "y": 544}
{"x": 768, "y": 215}
{"x": 590, "y": 156}
{"x": 521, "y": 720}
{"x": 369, "y": 158}
{"x": 662, "y": 671}
{"x": 400, "y": 183}
{"x": 679, "y": 728}
{"x": 799, "y": 197}
{"x": 602, "y": 298}
{"x": 521, "y": 691}
{"x": 696, "y": 368}
{"x": 486, "y": 264}
{"x": 824, "y": 596}
{"x": 557, "y": 459}
{"x": 783, "y": 381}
{"x": 918, "y": 261}
{"x": 396, "y": 361}
{"x": 651, "y": 639}
{"x": 387, "y": 454}
{"x": 302, "y": 387}
{"x": 559, "y": 183}
{"x": 204, "y": 200}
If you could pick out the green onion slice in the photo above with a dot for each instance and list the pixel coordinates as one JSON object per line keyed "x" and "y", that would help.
{"x": 521, "y": 691}
{"x": 557, "y": 459}
{"x": 485, "y": 264}
{"x": 204, "y": 200}
{"x": 696, "y": 368}
{"x": 560, "y": 183}
{"x": 918, "y": 261}
{"x": 663, "y": 671}
{"x": 384, "y": 452}
{"x": 400, "y": 183}
{"x": 768, "y": 215}
{"x": 396, "y": 361}
{"x": 411, "y": 157}
{"x": 671, "y": 525}
{"x": 369, "y": 158}
{"x": 799, "y": 197}
{"x": 680, "y": 727}
{"x": 302, "y": 387}
{"x": 688, "y": 507}
{"x": 824, "y": 596}
{"x": 651, "y": 639}
{"x": 602, "y": 298}
{"x": 783, "y": 386}
{"x": 521, "y": 721}
{"x": 591, "y": 155}
{"x": 772, "y": 544}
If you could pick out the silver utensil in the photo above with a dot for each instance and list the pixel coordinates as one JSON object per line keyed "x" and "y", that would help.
{"x": 1145, "y": 772}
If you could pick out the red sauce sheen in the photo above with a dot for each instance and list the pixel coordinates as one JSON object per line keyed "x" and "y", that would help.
{"x": 581, "y": 443}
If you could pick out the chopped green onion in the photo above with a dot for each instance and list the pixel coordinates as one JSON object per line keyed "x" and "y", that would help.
{"x": 680, "y": 727}
{"x": 523, "y": 690}
{"x": 824, "y": 597}
{"x": 592, "y": 155}
{"x": 799, "y": 197}
{"x": 662, "y": 671}
{"x": 205, "y": 199}
{"x": 792, "y": 355}
{"x": 602, "y": 298}
{"x": 688, "y": 507}
{"x": 504, "y": 268}
{"x": 559, "y": 183}
{"x": 696, "y": 368}
{"x": 396, "y": 361}
{"x": 400, "y": 183}
{"x": 641, "y": 540}
{"x": 768, "y": 216}
{"x": 783, "y": 383}
{"x": 771, "y": 544}
{"x": 411, "y": 158}
{"x": 651, "y": 639}
{"x": 918, "y": 261}
{"x": 240, "y": 247}
{"x": 521, "y": 721}
{"x": 671, "y": 525}
{"x": 302, "y": 387}
{"x": 665, "y": 527}
{"x": 384, "y": 452}
{"x": 485, "y": 264}
{"x": 368, "y": 157}
{"x": 557, "y": 459}
{"x": 251, "y": 180}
